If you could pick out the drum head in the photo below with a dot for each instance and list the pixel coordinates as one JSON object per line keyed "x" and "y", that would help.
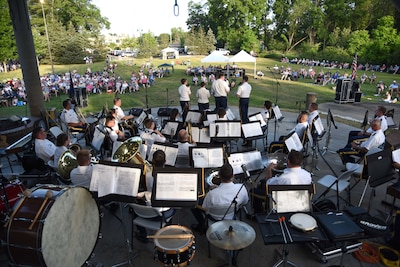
{"x": 71, "y": 228}
{"x": 173, "y": 244}
{"x": 303, "y": 222}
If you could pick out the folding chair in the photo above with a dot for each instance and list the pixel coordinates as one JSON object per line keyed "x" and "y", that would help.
{"x": 380, "y": 171}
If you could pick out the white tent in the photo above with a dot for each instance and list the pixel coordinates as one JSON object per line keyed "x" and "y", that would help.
{"x": 215, "y": 57}
{"x": 167, "y": 50}
{"x": 243, "y": 56}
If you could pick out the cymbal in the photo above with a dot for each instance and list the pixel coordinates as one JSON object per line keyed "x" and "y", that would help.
{"x": 230, "y": 234}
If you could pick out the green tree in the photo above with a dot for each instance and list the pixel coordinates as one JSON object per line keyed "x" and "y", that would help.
{"x": 129, "y": 43}
{"x": 359, "y": 42}
{"x": 148, "y": 45}
{"x": 8, "y": 49}
{"x": 163, "y": 40}
{"x": 210, "y": 40}
{"x": 198, "y": 16}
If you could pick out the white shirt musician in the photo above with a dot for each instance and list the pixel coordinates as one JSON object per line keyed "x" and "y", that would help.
{"x": 69, "y": 115}
{"x": 225, "y": 192}
{"x": 293, "y": 175}
{"x": 44, "y": 149}
{"x": 150, "y": 135}
{"x": 313, "y": 112}
{"x": 183, "y": 144}
{"x": 82, "y": 174}
{"x": 120, "y": 113}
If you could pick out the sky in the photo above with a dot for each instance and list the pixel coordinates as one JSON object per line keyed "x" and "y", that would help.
{"x": 135, "y": 16}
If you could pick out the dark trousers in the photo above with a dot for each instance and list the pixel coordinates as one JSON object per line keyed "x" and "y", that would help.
{"x": 184, "y": 104}
{"x": 203, "y": 106}
{"x": 244, "y": 109}
{"x": 353, "y": 135}
{"x": 347, "y": 152}
{"x": 221, "y": 102}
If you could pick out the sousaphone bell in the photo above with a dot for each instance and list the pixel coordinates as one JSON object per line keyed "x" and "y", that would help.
{"x": 66, "y": 164}
{"x": 128, "y": 151}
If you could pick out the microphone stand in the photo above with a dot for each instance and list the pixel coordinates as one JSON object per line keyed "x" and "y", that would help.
{"x": 330, "y": 121}
{"x": 234, "y": 202}
{"x": 276, "y": 97}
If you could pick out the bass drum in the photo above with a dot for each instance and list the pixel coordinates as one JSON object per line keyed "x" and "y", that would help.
{"x": 65, "y": 232}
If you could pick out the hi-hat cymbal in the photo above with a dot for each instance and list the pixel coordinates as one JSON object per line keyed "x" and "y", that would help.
{"x": 230, "y": 234}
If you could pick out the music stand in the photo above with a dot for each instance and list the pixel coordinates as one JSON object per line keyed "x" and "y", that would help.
{"x": 176, "y": 187}
{"x": 252, "y": 130}
{"x": 329, "y": 122}
{"x": 289, "y": 199}
{"x": 206, "y": 156}
{"x": 106, "y": 180}
{"x": 380, "y": 171}
{"x": 278, "y": 117}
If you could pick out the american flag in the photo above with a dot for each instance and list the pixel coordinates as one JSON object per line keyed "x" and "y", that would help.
{"x": 354, "y": 67}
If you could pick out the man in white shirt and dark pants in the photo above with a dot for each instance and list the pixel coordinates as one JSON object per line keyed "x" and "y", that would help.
{"x": 184, "y": 94}
{"x": 220, "y": 91}
{"x": 243, "y": 93}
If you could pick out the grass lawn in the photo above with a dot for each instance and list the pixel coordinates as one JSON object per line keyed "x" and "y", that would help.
{"x": 290, "y": 95}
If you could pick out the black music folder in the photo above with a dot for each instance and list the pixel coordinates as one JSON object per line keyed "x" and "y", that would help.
{"x": 338, "y": 226}
{"x": 380, "y": 168}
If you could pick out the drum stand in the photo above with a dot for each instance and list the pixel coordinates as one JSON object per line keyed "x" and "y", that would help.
{"x": 130, "y": 257}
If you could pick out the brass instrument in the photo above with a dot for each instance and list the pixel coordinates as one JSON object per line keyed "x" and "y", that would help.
{"x": 66, "y": 164}
{"x": 189, "y": 130}
{"x": 128, "y": 151}
{"x": 213, "y": 178}
{"x": 80, "y": 115}
{"x": 75, "y": 148}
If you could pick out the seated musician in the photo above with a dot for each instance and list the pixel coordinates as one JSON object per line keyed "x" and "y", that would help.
{"x": 62, "y": 143}
{"x": 120, "y": 113}
{"x": 150, "y": 134}
{"x": 70, "y": 116}
{"x": 313, "y": 112}
{"x": 221, "y": 112}
{"x": 267, "y": 111}
{"x": 183, "y": 143}
{"x": 82, "y": 174}
{"x": 300, "y": 128}
{"x": 44, "y": 149}
{"x": 223, "y": 195}
{"x": 293, "y": 175}
{"x": 376, "y": 139}
{"x": 379, "y": 114}
{"x": 115, "y": 135}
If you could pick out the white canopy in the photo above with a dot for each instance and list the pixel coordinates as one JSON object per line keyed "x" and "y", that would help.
{"x": 243, "y": 56}
{"x": 167, "y": 50}
{"x": 215, "y": 57}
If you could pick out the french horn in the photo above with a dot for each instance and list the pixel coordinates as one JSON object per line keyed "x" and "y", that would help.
{"x": 213, "y": 178}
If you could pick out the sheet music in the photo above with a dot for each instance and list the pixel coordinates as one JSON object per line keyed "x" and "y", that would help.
{"x": 195, "y": 132}
{"x": 176, "y": 186}
{"x": 252, "y": 159}
{"x": 204, "y": 135}
{"x": 390, "y": 121}
{"x": 293, "y": 142}
{"x": 309, "y": 136}
{"x": 139, "y": 120}
{"x": 193, "y": 116}
{"x": 234, "y": 129}
{"x": 115, "y": 180}
{"x": 258, "y": 117}
{"x": 396, "y": 155}
{"x": 299, "y": 201}
{"x": 252, "y": 129}
{"x": 277, "y": 112}
{"x": 208, "y": 157}
{"x": 171, "y": 152}
{"x": 170, "y": 127}
{"x": 230, "y": 115}
{"x": 319, "y": 128}
{"x": 226, "y": 129}
{"x": 211, "y": 117}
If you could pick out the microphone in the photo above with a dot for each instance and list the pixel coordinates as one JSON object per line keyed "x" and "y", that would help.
{"x": 246, "y": 173}
{"x": 216, "y": 130}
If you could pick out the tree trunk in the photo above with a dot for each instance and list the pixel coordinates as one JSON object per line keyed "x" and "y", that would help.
{"x": 27, "y": 56}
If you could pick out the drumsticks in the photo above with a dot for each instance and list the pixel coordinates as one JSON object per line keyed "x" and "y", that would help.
{"x": 26, "y": 193}
{"x": 49, "y": 194}
{"x": 287, "y": 229}
{"x": 283, "y": 231}
{"x": 181, "y": 236}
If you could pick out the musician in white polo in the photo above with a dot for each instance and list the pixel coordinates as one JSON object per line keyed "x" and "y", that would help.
{"x": 293, "y": 175}
{"x": 120, "y": 113}
{"x": 70, "y": 117}
{"x": 82, "y": 174}
{"x": 44, "y": 149}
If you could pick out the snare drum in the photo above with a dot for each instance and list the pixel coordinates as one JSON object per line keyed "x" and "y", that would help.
{"x": 12, "y": 192}
{"x": 174, "y": 252}
{"x": 65, "y": 232}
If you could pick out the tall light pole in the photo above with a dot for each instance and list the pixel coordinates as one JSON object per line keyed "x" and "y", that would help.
{"x": 47, "y": 37}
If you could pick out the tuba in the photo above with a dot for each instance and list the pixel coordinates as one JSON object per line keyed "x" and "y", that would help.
{"x": 128, "y": 151}
{"x": 66, "y": 164}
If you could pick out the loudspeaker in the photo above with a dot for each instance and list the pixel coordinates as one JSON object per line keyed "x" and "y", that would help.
{"x": 164, "y": 112}
{"x": 343, "y": 90}
{"x": 81, "y": 97}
